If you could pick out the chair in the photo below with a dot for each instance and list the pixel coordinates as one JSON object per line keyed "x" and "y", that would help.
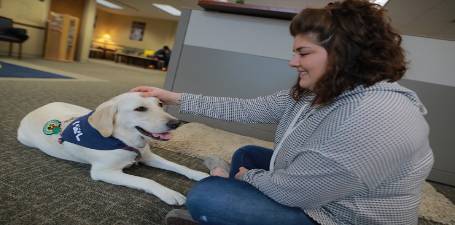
{"x": 12, "y": 35}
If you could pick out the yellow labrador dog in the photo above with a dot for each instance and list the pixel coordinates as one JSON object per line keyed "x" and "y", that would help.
{"x": 112, "y": 137}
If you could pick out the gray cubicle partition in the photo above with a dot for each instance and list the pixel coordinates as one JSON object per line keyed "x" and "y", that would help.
{"x": 246, "y": 58}
{"x": 242, "y": 56}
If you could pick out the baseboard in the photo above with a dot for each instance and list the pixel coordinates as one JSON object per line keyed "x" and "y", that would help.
{"x": 24, "y": 55}
{"x": 442, "y": 176}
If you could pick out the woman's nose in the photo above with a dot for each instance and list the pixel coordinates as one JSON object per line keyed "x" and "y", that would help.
{"x": 294, "y": 62}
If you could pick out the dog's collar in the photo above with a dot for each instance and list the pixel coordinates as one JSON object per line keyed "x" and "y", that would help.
{"x": 129, "y": 148}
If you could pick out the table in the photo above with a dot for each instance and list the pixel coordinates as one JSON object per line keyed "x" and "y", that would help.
{"x": 138, "y": 60}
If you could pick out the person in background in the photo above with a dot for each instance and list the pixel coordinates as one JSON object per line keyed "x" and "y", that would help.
{"x": 163, "y": 54}
{"x": 351, "y": 144}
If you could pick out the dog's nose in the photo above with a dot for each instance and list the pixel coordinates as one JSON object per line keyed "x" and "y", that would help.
{"x": 173, "y": 124}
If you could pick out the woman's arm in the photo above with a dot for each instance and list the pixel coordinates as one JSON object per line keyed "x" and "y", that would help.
{"x": 266, "y": 109}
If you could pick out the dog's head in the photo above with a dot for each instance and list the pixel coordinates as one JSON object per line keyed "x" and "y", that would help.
{"x": 133, "y": 119}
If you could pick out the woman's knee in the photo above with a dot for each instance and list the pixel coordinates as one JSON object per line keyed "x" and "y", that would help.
{"x": 204, "y": 190}
{"x": 242, "y": 151}
{"x": 206, "y": 197}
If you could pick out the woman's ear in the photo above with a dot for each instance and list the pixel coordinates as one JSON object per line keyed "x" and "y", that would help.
{"x": 103, "y": 118}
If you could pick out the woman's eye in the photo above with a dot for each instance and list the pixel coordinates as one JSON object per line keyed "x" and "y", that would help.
{"x": 140, "y": 109}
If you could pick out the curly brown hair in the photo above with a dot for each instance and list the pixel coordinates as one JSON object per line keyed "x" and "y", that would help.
{"x": 362, "y": 47}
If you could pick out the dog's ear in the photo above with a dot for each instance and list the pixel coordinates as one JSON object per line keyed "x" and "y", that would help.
{"x": 103, "y": 118}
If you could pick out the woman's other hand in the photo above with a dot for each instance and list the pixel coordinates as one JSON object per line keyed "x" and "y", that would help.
{"x": 165, "y": 96}
{"x": 242, "y": 171}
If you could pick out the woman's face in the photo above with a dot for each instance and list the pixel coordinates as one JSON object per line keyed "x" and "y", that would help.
{"x": 309, "y": 59}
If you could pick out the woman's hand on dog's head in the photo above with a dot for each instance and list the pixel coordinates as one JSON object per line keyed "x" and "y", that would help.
{"x": 165, "y": 96}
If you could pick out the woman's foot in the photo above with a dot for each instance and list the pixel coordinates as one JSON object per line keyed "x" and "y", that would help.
{"x": 179, "y": 217}
{"x": 217, "y": 166}
{"x": 217, "y": 171}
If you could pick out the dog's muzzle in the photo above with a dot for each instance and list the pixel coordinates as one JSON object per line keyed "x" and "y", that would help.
{"x": 157, "y": 136}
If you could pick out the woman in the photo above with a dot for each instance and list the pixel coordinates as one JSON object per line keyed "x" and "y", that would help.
{"x": 351, "y": 145}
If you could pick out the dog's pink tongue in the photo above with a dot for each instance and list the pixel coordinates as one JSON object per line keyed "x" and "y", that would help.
{"x": 163, "y": 136}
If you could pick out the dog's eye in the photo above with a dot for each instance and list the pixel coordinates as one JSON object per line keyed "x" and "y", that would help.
{"x": 160, "y": 104}
{"x": 140, "y": 109}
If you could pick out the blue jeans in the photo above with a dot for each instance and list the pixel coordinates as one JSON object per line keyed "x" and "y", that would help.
{"x": 227, "y": 201}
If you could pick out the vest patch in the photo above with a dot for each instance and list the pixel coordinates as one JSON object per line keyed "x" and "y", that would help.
{"x": 52, "y": 127}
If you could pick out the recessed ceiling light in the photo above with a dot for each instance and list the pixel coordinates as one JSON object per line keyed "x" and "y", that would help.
{"x": 169, "y": 9}
{"x": 108, "y": 4}
{"x": 380, "y": 2}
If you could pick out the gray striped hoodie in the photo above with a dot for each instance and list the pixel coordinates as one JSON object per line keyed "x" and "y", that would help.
{"x": 360, "y": 160}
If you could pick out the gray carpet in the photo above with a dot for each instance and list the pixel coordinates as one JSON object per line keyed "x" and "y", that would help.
{"x": 38, "y": 189}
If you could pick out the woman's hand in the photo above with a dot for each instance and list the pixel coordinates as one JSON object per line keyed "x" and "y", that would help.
{"x": 167, "y": 97}
{"x": 242, "y": 171}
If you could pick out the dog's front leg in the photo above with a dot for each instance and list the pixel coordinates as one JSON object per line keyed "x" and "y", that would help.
{"x": 117, "y": 177}
{"x": 153, "y": 160}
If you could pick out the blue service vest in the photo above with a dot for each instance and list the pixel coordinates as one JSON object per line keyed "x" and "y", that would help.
{"x": 80, "y": 132}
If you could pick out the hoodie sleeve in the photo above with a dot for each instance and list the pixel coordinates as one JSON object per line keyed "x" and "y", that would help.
{"x": 267, "y": 109}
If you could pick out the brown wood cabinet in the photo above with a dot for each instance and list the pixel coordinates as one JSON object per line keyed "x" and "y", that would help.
{"x": 62, "y": 32}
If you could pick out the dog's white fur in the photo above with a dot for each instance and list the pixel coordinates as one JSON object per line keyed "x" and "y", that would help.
{"x": 118, "y": 118}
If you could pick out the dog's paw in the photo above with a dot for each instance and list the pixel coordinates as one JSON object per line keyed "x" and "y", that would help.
{"x": 173, "y": 198}
{"x": 197, "y": 176}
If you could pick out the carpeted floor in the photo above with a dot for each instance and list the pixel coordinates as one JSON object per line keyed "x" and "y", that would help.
{"x": 38, "y": 189}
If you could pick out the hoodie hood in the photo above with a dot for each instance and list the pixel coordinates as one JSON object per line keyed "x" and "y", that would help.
{"x": 388, "y": 87}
